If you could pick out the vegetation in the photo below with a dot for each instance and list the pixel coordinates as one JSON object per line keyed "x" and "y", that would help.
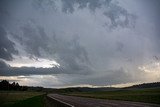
{"x": 8, "y": 98}
{"x": 151, "y": 95}
{"x": 145, "y": 85}
{"x": 102, "y": 89}
{"x": 14, "y": 95}
{"x": 37, "y": 101}
{"x": 5, "y": 85}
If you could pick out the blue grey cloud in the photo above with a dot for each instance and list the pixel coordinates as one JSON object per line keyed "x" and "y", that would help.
{"x": 94, "y": 41}
{"x": 6, "y": 46}
{"x": 112, "y": 10}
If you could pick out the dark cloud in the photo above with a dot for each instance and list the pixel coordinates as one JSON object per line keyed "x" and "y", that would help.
{"x": 69, "y": 54}
{"x": 4, "y": 12}
{"x": 44, "y": 5}
{"x": 69, "y": 5}
{"x": 7, "y": 70}
{"x": 109, "y": 77}
{"x": 120, "y": 46}
{"x": 117, "y": 15}
{"x": 6, "y": 46}
{"x": 25, "y": 71}
{"x": 95, "y": 41}
{"x": 73, "y": 56}
{"x": 33, "y": 40}
{"x": 3, "y": 65}
{"x": 153, "y": 8}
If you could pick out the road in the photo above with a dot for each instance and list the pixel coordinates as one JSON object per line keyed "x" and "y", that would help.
{"x": 91, "y": 102}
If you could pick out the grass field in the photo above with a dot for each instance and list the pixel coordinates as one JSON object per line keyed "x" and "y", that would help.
{"x": 138, "y": 95}
{"x": 37, "y": 101}
{"x": 10, "y": 98}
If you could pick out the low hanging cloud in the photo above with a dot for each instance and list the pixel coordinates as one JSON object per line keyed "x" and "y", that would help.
{"x": 69, "y": 54}
{"x": 96, "y": 42}
{"x": 7, "y": 70}
{"x": 6, "y": 46}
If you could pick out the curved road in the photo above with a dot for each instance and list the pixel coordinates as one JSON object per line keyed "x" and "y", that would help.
{"x": 91, "y": 102}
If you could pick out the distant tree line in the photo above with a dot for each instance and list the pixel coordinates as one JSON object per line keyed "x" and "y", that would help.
{"x": 146, "y": 85}
{"x": 5, "y": 85}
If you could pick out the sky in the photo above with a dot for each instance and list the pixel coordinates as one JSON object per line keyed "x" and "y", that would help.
{"x": 63, "y": 43}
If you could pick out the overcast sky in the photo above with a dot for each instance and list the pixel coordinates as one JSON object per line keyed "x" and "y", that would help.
{"x": 61, "y": 43}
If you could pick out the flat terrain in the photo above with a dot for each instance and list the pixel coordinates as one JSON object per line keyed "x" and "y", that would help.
{"x": 112, "y": 98}
{"x": 91, "y": 102}
{"x": 15, "y": 98}
{"x": 151, "y": 95}
{"x": 36, "y": 101}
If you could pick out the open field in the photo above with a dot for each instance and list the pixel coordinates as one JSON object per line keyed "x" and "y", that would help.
{"x": 137, "y": 95}
{"x": 74, "y": 101}
{"x": 36, "y": 101}
{"x": 9, "y": 98}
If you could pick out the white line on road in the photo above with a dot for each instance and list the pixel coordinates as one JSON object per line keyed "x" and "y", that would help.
{"x": 60, "y": 101}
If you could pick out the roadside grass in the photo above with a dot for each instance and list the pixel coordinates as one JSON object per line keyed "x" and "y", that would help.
{"x": 37, "y": 101}
{"x": 8, "y": 98}
{"x": 137, "y": 95}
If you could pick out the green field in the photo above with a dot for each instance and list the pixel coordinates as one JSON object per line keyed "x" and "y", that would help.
{"x": 37, "y": 101}
{"x": 17, "y": 99}
{"x": 138, "y": 95}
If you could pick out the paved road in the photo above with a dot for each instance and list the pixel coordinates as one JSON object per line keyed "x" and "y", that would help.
{"x": 91, "y": 102}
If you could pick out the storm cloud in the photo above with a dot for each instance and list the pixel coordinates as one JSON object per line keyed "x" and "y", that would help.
{"x": 76, "y": 42}
{"x": 6, "y": 46}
